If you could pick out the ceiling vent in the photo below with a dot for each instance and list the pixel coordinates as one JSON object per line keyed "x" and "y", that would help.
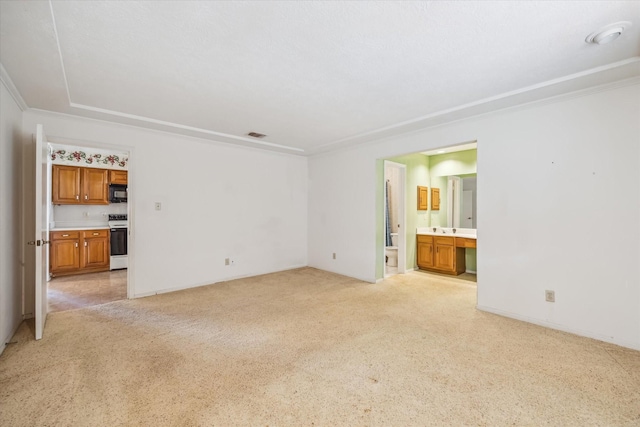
{"x": 256, "y": 135}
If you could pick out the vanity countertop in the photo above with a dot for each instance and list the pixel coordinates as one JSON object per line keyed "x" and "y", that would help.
{"x": 467, "y": 233}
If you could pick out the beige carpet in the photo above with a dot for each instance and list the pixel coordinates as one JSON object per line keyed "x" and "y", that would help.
{"x": 306, "y": 347}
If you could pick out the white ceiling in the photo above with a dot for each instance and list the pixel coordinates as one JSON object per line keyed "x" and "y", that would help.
{"x": 313, "y": 76}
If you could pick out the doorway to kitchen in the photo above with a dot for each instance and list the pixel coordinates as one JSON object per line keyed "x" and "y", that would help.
{"x": 89, "y": 225}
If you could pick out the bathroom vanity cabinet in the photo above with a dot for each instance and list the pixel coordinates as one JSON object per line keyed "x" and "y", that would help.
{"x": 441, "y": 254}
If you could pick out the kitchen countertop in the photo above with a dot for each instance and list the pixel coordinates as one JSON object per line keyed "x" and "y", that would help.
{"x": 79, "y": 228}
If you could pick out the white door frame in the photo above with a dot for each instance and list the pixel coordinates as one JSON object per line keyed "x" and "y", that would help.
{"x": 402, "y": 216}
{"x": 42, "y": 193}
{"x": 130, "y": 196}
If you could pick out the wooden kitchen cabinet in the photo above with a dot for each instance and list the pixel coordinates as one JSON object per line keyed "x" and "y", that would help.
{"x": 74, "y": 185}
{"x": 64, "y": 254}
{"x": 440, "y": 254}
{"x": 95, "y": 185}
{"x": 95, "y": 249}
{"x": 66, "y": 185}
{"x": 79, "y": 251}
{"x": 118, "y": 177}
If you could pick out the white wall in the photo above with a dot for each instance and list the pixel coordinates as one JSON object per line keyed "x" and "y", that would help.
{"x": 217, "y": 200}
{"x": 10, "y": 243}
{"x": 558, "y": 208}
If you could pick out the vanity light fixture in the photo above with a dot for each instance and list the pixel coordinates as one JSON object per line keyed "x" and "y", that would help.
{"x": 608, "y": 34}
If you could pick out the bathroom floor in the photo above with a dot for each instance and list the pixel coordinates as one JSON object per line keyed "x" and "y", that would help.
{"x": 390, "y": 271}
{"x": 85, "y": 290}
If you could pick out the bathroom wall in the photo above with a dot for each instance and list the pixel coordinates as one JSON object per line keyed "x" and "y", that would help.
{"x": 440, "y": 167}
{"x": 417, "y": 173}
{"x": 393, "y": 176}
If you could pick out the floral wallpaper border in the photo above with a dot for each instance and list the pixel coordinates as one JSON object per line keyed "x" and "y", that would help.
{"x": 95, "y": 159}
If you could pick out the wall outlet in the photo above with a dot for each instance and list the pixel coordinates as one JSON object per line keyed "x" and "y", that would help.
{"x": 334, "y": 255}
{"x": 227, "y": 261}
{"x": 550, "y": 296}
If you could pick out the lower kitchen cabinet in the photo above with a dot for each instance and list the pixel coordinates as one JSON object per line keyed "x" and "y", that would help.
{"x": 440, "y": 254}
{"x": 64, "y": 257}
{"x": 79, "y": 251}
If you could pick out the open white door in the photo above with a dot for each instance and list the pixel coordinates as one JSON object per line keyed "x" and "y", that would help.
{"x": 42, "y": 186}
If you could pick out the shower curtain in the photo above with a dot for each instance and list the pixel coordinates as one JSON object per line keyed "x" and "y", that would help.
{"x": 386, "y": 215}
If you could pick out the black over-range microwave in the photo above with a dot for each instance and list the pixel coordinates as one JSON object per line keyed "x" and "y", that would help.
{"x": 117, "y": 193}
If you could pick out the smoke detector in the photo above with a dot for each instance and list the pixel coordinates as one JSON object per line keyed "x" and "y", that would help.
{"x": 256, "y": 135}
{"x": 608, "y": 34}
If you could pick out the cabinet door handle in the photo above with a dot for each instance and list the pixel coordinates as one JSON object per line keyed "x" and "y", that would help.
{"x": 76, "y": 244}
{"x": 65, "y": 235}
{"x": 77, "y": 197}
{"x": 86, "y": 197}
{"x": 85, "y": 244}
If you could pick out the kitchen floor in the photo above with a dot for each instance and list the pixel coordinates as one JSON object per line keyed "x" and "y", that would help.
{"x": 85, "y": 290}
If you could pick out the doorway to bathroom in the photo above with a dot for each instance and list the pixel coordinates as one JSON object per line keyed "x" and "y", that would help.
{"x": 394, "y": 218}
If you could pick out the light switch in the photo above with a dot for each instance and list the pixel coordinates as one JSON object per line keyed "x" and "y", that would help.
{"x": 158, "y": 206}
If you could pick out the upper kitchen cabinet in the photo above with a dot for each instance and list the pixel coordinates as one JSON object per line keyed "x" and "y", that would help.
{"x": 118, "y": 177}
{"x": 74, "y": 185}
{"x": 66, "y": 185}
{"x": 95, "y": 184}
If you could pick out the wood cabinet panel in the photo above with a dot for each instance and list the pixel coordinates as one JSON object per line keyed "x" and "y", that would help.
{"x": 425, "y": 254}
{"x": 463, "y": 242}
{"x": 423, "y": 194}
{"x": 95, "y": 252}
{"x": 95, "y": 185}
{"x": 79, "y": 251}
{"x": 441, "y": 254}
{"x": 118, "y": 177}
{"x": 66, "y": 184}
{"x": 65, "y": 255}
{"x": 443, "y": 258}
{"x": 73, "y": 185}
{"x": 435, "y": 199}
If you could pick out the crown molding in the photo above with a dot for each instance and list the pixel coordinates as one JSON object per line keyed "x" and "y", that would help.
{"x": 8, "y": 83}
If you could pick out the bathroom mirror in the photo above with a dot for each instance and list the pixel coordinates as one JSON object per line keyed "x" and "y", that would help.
{"x": 458, "y": 203}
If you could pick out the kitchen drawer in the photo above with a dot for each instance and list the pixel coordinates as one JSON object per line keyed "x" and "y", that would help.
{"x": 63, "y": 235}
{"x": 463, "y": 242}
{"x": 87, "y": 234}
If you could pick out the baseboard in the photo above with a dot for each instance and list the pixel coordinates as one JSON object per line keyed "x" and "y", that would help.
{"x": 211, "y": 282}
{"x": 471, "y": 271}
{"x": 550, "y": 325}
{"x": 5, "y": 340}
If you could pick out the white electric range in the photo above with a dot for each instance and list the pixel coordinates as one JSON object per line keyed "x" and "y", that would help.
{"x": 119, "y": 225}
